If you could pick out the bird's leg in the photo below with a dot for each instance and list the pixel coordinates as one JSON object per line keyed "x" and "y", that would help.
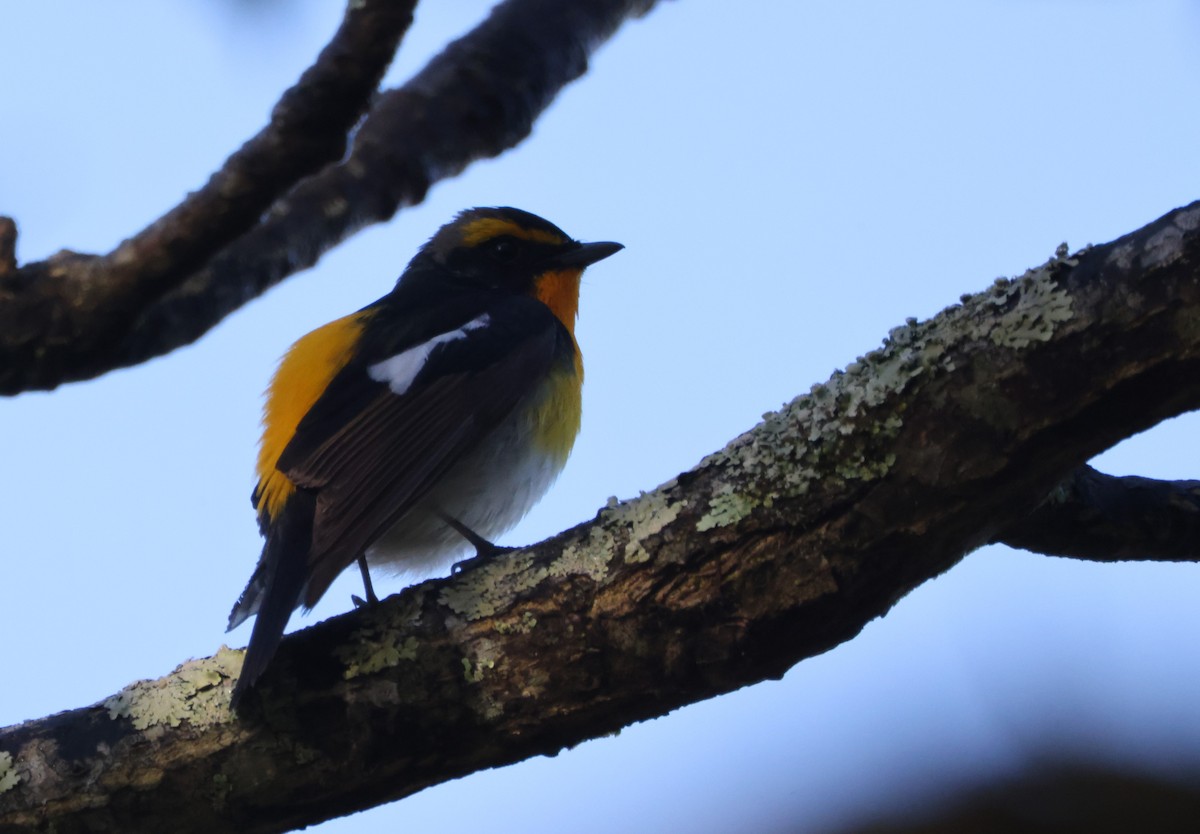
{"x": 370, "y": 590}
{"x": 484, "y": 549}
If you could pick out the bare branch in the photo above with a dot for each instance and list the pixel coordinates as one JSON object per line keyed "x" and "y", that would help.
{"x": 778, "y": 547}
{"x": 75, "y": 316}
{"x": 8, "y": 247}
{"x": 1104, "y": 518}
{"x": 61, "y": 319}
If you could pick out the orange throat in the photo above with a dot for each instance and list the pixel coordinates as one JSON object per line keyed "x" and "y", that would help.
{"x": 559, "y": 290}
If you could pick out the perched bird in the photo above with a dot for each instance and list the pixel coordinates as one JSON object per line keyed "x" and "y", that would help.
{"x": 423, "y": 424}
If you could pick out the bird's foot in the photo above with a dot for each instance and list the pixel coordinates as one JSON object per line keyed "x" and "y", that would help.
{"x": 371, "y": 599}
{"x": 481, "y": 553}
{"x": 484, "y": 549}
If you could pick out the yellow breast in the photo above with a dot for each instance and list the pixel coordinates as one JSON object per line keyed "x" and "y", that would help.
{"x": 556, "y": 417}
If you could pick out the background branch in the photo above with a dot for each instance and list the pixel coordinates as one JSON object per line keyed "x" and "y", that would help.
{"x": 75, "y": 316}
{"x": 61, "y": 319}
{"x": 776, "y": 548}
{"x": 1104, "y": 518}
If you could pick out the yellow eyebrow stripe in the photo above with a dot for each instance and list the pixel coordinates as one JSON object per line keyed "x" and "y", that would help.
{"x": 486, "y": 228}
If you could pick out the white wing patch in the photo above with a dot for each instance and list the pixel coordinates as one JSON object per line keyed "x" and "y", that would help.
{"x": 400, "y": 370}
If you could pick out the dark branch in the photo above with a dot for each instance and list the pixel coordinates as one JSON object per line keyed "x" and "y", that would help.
{"x": 1051, "y": 795}
{"x": 63, "y": 319}
{"x": 75, "y": 316}
{"x": 1104, "y": 518}
{"x": 778, "y": 547}
{"x": 8, "y": 247}
{"x": 308, "y": 129}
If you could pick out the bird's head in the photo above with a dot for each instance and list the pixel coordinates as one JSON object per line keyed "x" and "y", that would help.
{"x": 511, "y": 250}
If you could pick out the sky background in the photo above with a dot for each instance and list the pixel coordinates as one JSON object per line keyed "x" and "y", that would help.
{"x": 790, "y": 180}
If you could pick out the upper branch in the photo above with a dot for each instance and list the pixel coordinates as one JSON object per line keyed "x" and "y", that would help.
{"x": 776, "y": 548}
{"x": 75, "y": 316}
{"x": 61, "y": 319}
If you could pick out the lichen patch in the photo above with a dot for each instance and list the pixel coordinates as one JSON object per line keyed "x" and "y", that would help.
{"x": 193, "y": 693}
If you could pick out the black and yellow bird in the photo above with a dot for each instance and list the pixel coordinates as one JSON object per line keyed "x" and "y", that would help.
{"x": 423, "y": 424}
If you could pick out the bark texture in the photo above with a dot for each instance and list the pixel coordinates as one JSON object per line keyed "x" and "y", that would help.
{"x": 778, "y": 547}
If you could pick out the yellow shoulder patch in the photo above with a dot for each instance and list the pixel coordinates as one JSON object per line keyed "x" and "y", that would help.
{"x": 303, "y": 375}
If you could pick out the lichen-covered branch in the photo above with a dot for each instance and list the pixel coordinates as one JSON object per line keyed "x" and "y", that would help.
{"x": 1104, "y": 518}
{"x": 778, "y": 547}
{"x": 76, "y": 316}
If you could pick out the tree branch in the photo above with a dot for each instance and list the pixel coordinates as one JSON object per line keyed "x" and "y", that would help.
{"x": 778, "y": 547}
{"x": 8, "y": 247}
{"x": 75, "y": 316}
{"x": 1103, "y": 518}
{"x": 61, "y": 318}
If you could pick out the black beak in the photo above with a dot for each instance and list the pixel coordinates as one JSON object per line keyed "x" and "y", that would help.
{"x": 583, "y": 254}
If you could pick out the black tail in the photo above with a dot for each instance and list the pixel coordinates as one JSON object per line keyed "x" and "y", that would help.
{"x": 282, "y": 573}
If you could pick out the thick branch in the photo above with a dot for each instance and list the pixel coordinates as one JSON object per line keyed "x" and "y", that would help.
{"x": 1103, "y": 518}
{"x": 75, "y": 317}
{"x": 774, "y": 549}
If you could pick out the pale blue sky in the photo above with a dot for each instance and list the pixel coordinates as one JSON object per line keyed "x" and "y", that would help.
{"x": 790, "y": 180}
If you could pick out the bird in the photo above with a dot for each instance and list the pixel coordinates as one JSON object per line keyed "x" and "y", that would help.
{"x": 423, "y": 424}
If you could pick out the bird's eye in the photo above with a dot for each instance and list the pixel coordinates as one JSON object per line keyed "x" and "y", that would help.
{"x": 502, "y": 250}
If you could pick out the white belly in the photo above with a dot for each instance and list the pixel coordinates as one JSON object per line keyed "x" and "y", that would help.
{"x": 489, "y": 492}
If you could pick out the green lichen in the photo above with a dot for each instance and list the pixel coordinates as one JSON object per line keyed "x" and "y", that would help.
{"x": 485, "y": 654}
{"x": 524, "y": 625}
{"x": 378, "y": 643}
{"x": 9, "y": 778}
{"x": 843, "y": 430}
{"x": 727, "y": 508}
{"x": 491, "y": 587}
{"x": 591, "y": 555}
{"x": 1036, "y": 305}
{"x": 631, "y": 522}
{"x": 621, "y": 529}
{"x": 192, "y": 693}
{"x": 474, "y": 672}
{"x": 648, "y": 516}
{"x": 827, "y": 433}
{"x": 363, "y": 658}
